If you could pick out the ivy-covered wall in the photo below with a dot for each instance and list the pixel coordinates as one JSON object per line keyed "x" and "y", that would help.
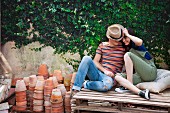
{"x": 79, "y": 25}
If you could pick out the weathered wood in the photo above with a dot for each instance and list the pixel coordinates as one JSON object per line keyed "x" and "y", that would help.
{"x": 116, "y": 101}
{"x": 4, "y": 106}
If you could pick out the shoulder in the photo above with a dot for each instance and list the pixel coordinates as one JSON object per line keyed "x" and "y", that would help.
{"x": 105, "y": 43}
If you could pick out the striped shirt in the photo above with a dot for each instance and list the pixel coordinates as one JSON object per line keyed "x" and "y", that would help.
{"x": 111, "y": 57}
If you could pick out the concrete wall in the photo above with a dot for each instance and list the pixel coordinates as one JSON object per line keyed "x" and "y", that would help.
{"x": 25, "y": 62}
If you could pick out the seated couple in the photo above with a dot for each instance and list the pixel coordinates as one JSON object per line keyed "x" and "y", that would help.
{"x": 122, "y": 48}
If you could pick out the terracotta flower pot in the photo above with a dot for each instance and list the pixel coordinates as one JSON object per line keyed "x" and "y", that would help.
{"x": 46, "y": 98}
{"x": 20, "y": 108}
{"x": 55, "y": 81}
{"x": 26, "y": 80}
{"x": 38, "y": 108}
{"x": 47, "y": 92}
{"x": 43, "y": 70}
{"x": 58, "y": 74}
{"x": 20, "y": 98}
{"x": 49, "y": 82}
{"x": 47, "y": 103}
{"x": 73, "y": 77}
{"x": 21, "y": 93}
{"x": 39, "y": 85}
{"x": 47, "y": 109}
{"x": 62, "y": 89}
{"x": 57, "y": 109}
{"x": 40, "y": 77}
{"x": 38, "y": 102}
{"x": 57, "y": 104}
{"x": 14, "y": 80}
{"x": 24, "y": 103}
{"x": 33, "y": 80}
{"x": 67, "y": 79}
{"x": 67, "y": 109}
{"x": 39, "y": 96}
{"x": 56, "y": 96}
{"x": 31, "y": 89}
{"x": 67, "y": 99}
{"x": 20, "y": 86}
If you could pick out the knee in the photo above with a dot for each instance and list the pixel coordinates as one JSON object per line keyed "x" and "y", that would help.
{"x": 108, "y": 84}
{"x": 118, "y": 77}
{"x": 127, "y": 56}
{"x": 86, "y": 59}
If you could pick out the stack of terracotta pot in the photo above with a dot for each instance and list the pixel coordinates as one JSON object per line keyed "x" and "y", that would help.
{"x": 32, "y": 83}
{"x": 26, "y": 80}
{"x": 55, "y": 81}
{"x": 56, "y": 101}
{"x": 67, "y": 81}
{"x": 62, "y": 89}
{"x": 38, "y": 102}
{"x": 72, "y": 80}
{"x": 47, "y": 94}
{"x": 67, "y": 104}
{"x": 43, "y": 71}
{"x": 59, "y": 76}
{"x": 20, "y": 90}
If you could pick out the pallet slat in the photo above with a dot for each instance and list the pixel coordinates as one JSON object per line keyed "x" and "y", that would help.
{"x": 105, "y": 101}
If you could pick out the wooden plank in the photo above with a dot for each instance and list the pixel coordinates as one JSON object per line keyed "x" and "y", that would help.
{"x": 4, "y": 106}
{"x": 122, "y": 100}
{"x": 4, "y": 111}
{"x": 132, "y": 96}
{"x": 114, "y": 110}
{"x": 154, "y": 97}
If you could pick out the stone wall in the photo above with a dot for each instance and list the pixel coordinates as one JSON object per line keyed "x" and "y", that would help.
{"x": 25, "y": 62}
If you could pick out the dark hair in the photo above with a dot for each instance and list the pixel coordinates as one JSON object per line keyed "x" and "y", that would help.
{"x": 131, "y": 31}
{"x": 128, "y": 47}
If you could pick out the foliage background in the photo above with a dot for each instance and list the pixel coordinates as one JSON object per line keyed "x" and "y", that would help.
{"x": 78, "y": 25}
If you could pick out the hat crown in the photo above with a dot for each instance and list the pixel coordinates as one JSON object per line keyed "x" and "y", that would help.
{"x": 115, "y": 32}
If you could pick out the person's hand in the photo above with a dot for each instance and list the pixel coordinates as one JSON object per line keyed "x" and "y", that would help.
{"x": 108, "y": 73}
{"x": 125, "y": 31}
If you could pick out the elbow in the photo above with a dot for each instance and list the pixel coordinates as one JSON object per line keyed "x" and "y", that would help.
{"x": 139, "y": 43}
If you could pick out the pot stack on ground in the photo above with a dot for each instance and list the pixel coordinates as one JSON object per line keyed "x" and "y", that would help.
{"x": 72, "y": 80}
{"x": 67, "y": 81}
{"x": 56, "y": 101}
{"x": 20, "y": 90}
{"x": 48, "y": 87}
{"x": 27, "y": 81}
{"x": 33, "y": 81}
{"x": 38, "y": 101}
{"x": 67, "y": 104}
{"x": 59, "y": 76}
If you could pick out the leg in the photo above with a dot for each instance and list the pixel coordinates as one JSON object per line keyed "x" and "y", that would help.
{"x": 125, "y": 83}
{"x": 129, "y": 67}
{"x": 145, "y": 70}
{"x": 85, "y": 65}
{"x": 104, "y": 83}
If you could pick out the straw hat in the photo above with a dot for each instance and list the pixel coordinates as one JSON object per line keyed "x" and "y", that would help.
{"x": 115, "y": 32}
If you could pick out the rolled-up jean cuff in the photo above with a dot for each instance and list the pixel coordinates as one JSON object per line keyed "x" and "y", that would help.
{"x": 76, "y": 88}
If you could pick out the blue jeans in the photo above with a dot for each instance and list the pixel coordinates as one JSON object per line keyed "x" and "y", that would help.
{"x": 98, "y": 80}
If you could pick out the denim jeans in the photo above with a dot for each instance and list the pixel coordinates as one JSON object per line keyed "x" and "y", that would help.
{"x": 98, "y": 80}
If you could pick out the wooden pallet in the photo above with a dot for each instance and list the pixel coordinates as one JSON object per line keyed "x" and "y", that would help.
{"x": 88, "y": 100}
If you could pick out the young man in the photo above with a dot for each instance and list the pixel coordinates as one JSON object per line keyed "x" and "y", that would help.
{"x": 107, "y": 62}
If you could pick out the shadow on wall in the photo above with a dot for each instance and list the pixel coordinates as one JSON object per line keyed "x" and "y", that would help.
{"x": 25, "y": 62}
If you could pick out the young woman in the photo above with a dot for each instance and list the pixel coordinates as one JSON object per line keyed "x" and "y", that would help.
{"x": 138, "y": 59}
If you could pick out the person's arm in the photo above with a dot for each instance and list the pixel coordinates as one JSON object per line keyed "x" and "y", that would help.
{"x": 100, "y": 67}
{"x": 136, "y": 40}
